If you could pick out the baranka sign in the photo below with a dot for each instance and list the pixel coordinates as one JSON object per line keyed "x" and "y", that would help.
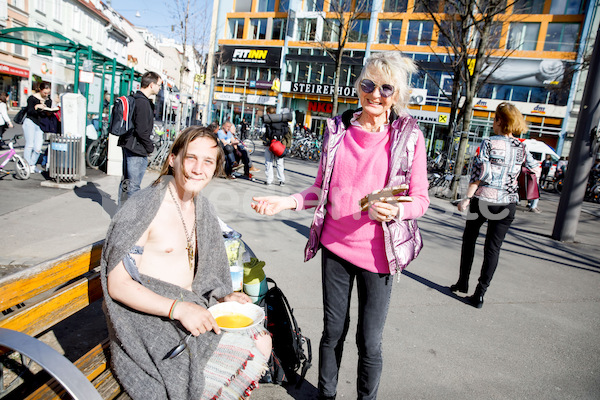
{"x": 315, "y": 88}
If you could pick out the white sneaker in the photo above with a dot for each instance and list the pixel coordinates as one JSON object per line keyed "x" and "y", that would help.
{"x": 32, "y": 169}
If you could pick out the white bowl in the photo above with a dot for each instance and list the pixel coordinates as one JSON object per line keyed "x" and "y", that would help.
{"x": 252, "y": 311}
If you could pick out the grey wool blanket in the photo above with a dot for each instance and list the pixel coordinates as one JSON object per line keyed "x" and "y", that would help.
{"x": 139, "y": 341}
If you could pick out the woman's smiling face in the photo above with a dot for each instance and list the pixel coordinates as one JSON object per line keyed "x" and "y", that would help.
{"x": 374, "y": 103}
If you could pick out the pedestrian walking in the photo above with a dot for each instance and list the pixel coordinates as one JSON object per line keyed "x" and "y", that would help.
{"x": 492, "y": 196}
{"x": 37, "y": 106}
{"x": 280, "y": 131}
{"x": 376, "y": 146}
{"x": 137, "y": 144}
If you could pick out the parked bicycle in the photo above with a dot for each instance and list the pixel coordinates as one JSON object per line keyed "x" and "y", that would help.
{"x": 21, "y": 167}
{"x": 97, "y": 152}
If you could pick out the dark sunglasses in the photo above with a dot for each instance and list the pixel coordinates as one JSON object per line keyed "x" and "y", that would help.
{"x": 368, "y": 86}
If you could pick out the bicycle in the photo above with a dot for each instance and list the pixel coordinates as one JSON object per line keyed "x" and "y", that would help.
{"x": 22, "y": 170}
{"x": 97, "y": 152}
{"x": 249, "y": 145}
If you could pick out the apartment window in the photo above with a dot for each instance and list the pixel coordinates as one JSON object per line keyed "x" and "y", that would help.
{"x": 538, "y": 95}
{"x": 331, "y": 30}
{"x": 523, "y": 36}
{"x": 58, "y": 10}
{"x": 307, "y": 28}
{"x": 40, "y": 5}
{"x": 76, "y": 19}
{"x": 243, "y": 5}
{"x": 314, "y": 5}
{"x": 565, "y": 7}
{"x": 495, "y": 35}
{"x": 395, "y": 5}
{"x": 284, "y": 5}
{"x": 340, "y": 5}
{"x": 278, "y": 30}
{"x": 389, "y": 31}
{"x": 528, "y": 7}
{"x": 236, "y": 28}
{"x": 18, "y": 48}
{"x": 258, "y": 28}
{"x": 561, "y": 37}
{"x": 520, "y": 93}
{"x": 493, "y": 6}
{"x": 422, "y": 6}
{"x": 359, "y": 31}
{"x": 446, "y": 33}
{"x": 419, "y": 33}
{"x": 266, "y": 5}
{"x": 364, "y": 5}
{"x": 88, "y": 23}
{"x": 20, "y": 4}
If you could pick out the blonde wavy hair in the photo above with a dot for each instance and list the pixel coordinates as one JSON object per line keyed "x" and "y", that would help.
{"x": 393, "y": 68}
{"x": 510, "y": 119}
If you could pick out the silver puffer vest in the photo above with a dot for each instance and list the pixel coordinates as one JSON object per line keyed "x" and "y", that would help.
{"x": 403, "y": 240}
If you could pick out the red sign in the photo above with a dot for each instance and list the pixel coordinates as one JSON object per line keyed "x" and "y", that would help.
{"x": 7, "y": 69}
{"x": 318, "y": 106}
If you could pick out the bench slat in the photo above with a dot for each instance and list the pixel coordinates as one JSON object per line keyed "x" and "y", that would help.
{"x": 20, "y": 287}
{"x": 93, "y": 364}
{"x": 36, "y": 318}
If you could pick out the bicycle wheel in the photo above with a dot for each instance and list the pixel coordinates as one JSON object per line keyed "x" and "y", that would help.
{"x": 21, "y": 167}
{"x": 249, "y": 145}
{"x": 96, "y": 154}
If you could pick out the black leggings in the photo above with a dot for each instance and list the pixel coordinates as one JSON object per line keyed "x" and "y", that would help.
{"x": 499, "y": 218}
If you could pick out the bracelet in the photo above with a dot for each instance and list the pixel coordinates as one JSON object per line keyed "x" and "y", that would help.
{"x": 173, "y": 308}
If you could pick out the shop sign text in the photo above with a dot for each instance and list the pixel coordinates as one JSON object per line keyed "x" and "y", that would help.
{"x": 319, "y": 106}
{"x": 328, "y": 90}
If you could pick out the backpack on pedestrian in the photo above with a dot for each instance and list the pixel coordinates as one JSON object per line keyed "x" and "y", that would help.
{"x": 121, "y": 117}
{"x": 289, "y": 360}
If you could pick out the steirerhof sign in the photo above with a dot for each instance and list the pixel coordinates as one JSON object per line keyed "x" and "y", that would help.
{"x": 317, "y": 88}
{"x": 258, "y": 56}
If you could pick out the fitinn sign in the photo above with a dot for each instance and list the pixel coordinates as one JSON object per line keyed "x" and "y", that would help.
{"x": 315, "y": 88}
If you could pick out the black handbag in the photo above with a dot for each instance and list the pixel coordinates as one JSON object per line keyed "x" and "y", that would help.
{"x": 20, "y": 117}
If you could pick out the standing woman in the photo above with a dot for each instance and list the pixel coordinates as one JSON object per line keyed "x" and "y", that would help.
{"x": 4, "y": 118}
{"x": 34, "y": 136}
{"x": 492, "y": 196}
{"x": 364, "y": 150}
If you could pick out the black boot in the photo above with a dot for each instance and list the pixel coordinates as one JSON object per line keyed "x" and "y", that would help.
{"x": 477, "y": 299}
{"x": 459, "y": 286}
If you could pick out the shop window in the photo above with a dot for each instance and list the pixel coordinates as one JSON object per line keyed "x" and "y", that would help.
{"x": 389, "y": 31}
{"x": 314, "y": 5}
{"x": 243, "y": 5}
{"x": 236, "y": 28}
{"x": 284, "y": 5}
{"x": 561, "y": 37}
{"x": 331, "y": 30}
{"x": 565, "y": 7}
{"x": 359, "y": 31}
{"x": 266, "y": 6}
{"x": 395, "y": 5}
{"x": 502, "y": 92}
{"x": 278, "y": 30}
{"x": 538, "y": 95}
{"x": 523, "y": 36}
{"x": 421, "y": 6}
{"x": 258, "y": 28}
{"x": 307, "y": 28}
{"x": 520, "y": 93}
{"x": 528, "y": 7}
{"x": 419, "y": 33}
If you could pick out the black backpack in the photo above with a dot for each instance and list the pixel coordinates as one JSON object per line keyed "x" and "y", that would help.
{"x": 288, "y": 357}
{"x": 121, "y": 117}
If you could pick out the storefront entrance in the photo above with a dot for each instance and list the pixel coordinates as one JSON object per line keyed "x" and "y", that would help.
{"x": 317, "y": 125}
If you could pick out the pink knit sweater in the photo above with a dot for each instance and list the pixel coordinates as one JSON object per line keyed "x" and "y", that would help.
{"x": 361, "y": 166}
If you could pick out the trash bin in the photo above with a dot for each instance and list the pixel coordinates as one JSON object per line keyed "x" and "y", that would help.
{"x": 65, "y": 155}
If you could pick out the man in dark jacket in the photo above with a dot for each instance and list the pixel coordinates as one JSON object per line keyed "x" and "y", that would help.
{"x": 137, "y": 145}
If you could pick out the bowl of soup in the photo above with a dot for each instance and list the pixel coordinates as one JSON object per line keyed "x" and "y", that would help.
{"x": 234, "y": 316}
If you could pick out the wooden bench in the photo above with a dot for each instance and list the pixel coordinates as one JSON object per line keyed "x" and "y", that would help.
{"x": 40, "y": 301}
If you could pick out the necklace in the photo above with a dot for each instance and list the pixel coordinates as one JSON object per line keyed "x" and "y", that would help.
{"x": 188, "y": 237}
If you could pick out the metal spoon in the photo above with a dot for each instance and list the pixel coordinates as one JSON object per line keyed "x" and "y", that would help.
{"x": 177, "y": 350}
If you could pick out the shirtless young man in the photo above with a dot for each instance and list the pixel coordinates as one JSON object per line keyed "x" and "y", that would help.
{"x": 163, "y": 265}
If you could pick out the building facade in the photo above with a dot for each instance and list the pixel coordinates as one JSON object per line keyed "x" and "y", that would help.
{"x": 14, "y": 59}
{"x": 278, "y": 44}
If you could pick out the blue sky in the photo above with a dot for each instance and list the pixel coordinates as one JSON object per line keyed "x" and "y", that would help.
{"x": 156, "y": 15}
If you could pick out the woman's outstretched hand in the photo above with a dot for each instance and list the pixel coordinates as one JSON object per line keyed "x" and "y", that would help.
{"x": 271, "y": 205}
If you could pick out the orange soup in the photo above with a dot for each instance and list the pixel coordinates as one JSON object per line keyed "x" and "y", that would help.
{"x": 233, "y": 321}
